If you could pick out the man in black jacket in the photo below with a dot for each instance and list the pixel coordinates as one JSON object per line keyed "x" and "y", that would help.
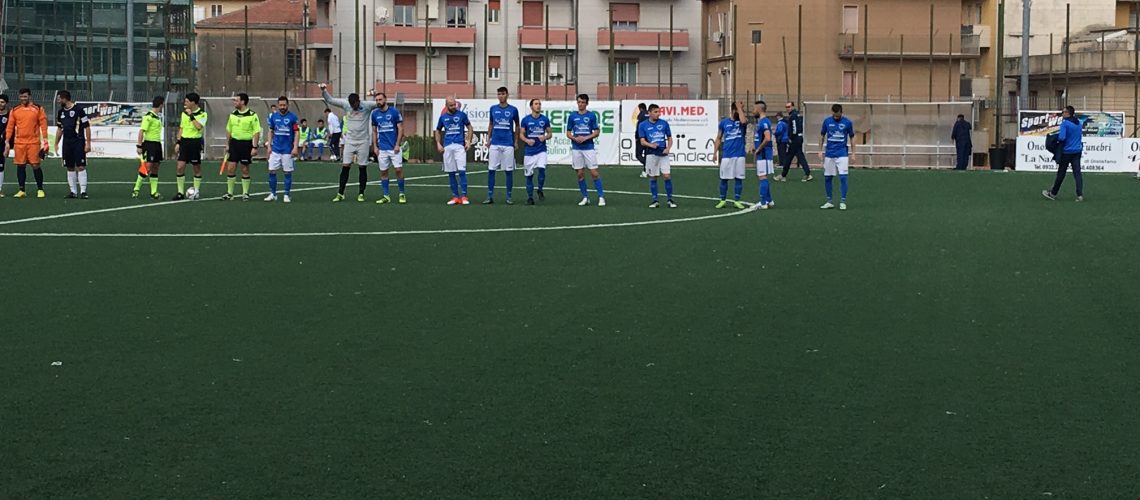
{"x": 962, "y": 142}
{"x": 638, "y": 149}
{"x": 796, "y": 141}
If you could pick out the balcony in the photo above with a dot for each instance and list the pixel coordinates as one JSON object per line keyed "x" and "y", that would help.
{"x": 647, "y": 91}
{"x": 320, "y": 38}
{"x": 540, "y": 91}
{"x": 895, "y": 47}
{"x": 645, "y": 39}
{"x": 977, "y": 88}
{"x": 535, "y": 37}
{"x": 415, "y": 90}
{"x": 982, "y": 31}
{"x": 412, "y": 36}
{"x": 1119, "y": 63}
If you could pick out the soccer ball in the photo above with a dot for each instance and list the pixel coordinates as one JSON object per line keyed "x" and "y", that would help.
{"x": 191, "y": 193}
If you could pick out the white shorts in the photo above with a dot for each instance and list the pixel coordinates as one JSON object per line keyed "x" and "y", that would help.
{"x": 280, "y": 161}
{"x": 656, "y": 165}
{"x": 532, "y": 162}
{"x": 584, "y": 158}
{"x": 732, "y": 168}
{"x": 454, "y": 158}
{"x": 361, "y": 152}
{"x": 501, "y": 158}
{"x": 764, "y": 168}
{"x": 834, "y": 166}
{"x": 388, "y": 159}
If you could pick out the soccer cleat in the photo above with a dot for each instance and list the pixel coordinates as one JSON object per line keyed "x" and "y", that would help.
{"x": 584, "y": 202}
{"x": 722, "y": 204}
{"x": 454, "y": 201}
{"x": 806, "y": 178}
{"x": 463, "y": 200}
{"x": 286, "y": 199}
{"x": 1080, "y": 198}
{"x": 778, "y": 178}
{"x": 40, "y": 193}
{"x": 227, "y": 197}
{"x": 332, "y": 157}
{"x": 762, "y": 206}
{"x": 179, "y": 197}
{"x": 489, "y": 201}
{"x": 71, "y": 195}
{"x": 22, "y": 194}
{"x": 384, "y": 200}
{"x": 156, "y": 196}
{"x": 601, "y": 202}
{"x": 2, "y": 194}
{"x": 826, "y": 206}
{"x": 670, "y": 204}
{"x": 783, "y": 179}
{"x": 771, "y": 204}
{"x": 842, "y": 205}
{"x": 360, "y": 197}
{"x": 542, "y": 196}
{"x": 530, "y": 201}
{"x": 738, "y": 205}
{"x": 134, "y": 194}
{"x": 510, "y": 201}
{"x": 644, "y": 175}
{"x": 338, "y": 198}
{"x": 245, "y": 197}
{"x": 402, "y": 199}
{"x": 271, "y": 197}
{"x": 1048, "y": 195}
{"x": 83, "y": 195}
{"x": 654, "y": 204}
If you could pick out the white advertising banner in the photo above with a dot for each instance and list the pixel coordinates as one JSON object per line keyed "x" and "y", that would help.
{"x": 1101, "y": 154}
{"x": 558, "y": 149}
{"x": 1132, "y": 154}
{"x": 694, "y": 126}
{"x": 114, "y": 128}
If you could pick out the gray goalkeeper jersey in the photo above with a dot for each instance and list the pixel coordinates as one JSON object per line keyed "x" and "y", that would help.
{"x": 355, "y": 124}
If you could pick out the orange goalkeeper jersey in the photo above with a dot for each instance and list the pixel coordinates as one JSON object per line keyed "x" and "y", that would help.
{"x": 27, "y": 125}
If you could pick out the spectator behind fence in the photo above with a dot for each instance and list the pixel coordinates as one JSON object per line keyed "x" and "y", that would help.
{"x": 962, "y": 142}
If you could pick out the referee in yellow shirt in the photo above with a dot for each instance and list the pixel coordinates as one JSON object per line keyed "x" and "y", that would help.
{"x": 190, "y": 143}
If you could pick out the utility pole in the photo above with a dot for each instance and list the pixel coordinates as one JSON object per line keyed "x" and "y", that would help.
{"x": 1023, "y": 99}
{"x": 130, "y": 49}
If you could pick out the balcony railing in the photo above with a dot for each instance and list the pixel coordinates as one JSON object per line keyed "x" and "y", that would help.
{"x": 953, "y": 45}
{"x": 416, "y": 89}
{"x": 560, "y": 38}
{"x": 645, "y": 39}
{"x": 1115, "y": 62}
{"x": 416, "y": 36}
{"x": 645, "y": 91}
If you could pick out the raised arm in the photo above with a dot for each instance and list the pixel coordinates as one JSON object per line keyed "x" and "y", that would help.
{"x": 333, "y": 101}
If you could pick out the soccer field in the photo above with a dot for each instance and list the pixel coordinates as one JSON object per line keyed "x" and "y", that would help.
{"x": 952, "y": 335}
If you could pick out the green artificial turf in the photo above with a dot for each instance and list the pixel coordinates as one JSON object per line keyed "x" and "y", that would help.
{"x": 952, "y": 335}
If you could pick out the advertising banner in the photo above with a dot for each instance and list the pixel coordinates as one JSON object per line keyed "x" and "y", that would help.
{"x": 694, "y": 126}
{"x": 1101, "y": 154}
{"x": 558, "y": 149}
{"x": 1093, "y": 123}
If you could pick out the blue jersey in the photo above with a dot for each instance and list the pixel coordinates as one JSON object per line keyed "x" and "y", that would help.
{"x": 764, "y": 125}
{"x": 284, "y": 130}
{"x": 582, "y": 125}
{"x": 782, "y": 131}
{"x": 837, "y": 132}
{"x": 1070, "y": 136}
{"x": 454, "y": 127}
{"x": 503, "y": 123}
{"x": 535, "y": 128}
{"x": 732, "y": 139}
{"x": 387, "y": 127}
{"x": 657, "y": 133}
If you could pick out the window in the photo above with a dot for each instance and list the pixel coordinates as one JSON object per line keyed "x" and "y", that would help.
{"x": 625, "y": 71}
{"x": 405, "y": 67}
{"x": 850, "y": 19}
{"x": 532, "y": 14}
{"x": 215, "y": 10}
{"x": 532, "y": 70}
{"x": 404, "y": 13}
{"x": 456, "y": 13}
{"x": 494, "y": 64}
{"x": 457, "y": 68}
{"x": 293, "y": 62}
{"x": 244, "y": 58}
{"x": 493, "y": 10}
{"x": 625, "y": 16}
{"x": 850, "y": 83}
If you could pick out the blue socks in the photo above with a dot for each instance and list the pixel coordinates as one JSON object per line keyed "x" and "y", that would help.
{"x": 737, "y": 189}
{"x": 384, "y": 185}
{"x": 530, "y": 186}
{"x": 653, "y": 188}
{"x": 827, "y": 186}
{"x": 541, "y": 178}
{"x": 723, "y": 189}
{"x": 399, "y": 185}
{"x": 454, "y": 184}
{"x": 463, "y": 182}
{"x": 273, "y": 183}
{"x": 669, "y": 189}
{"x": 598, "y": 187}
{"x": 842, "y": 188}
{"x": 490, "y": 184}
{"x": 510, "y": 183}
{"x": 582, "y": 188}
{"x": 288, "y": 182}
{"x": 765, "y": 191}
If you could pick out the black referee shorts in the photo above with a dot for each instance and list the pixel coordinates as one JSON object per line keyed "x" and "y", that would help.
{"x": 240, "y": 152}
{"x": 152, "y": 151}
{"x": 190, "y": 150}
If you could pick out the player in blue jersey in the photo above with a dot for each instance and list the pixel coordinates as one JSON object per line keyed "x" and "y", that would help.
{"x": 453, "y": 134}
{"x": 730, "y": 150}
{"x": 283, "y": 126}
{"x": 657, "y": 138}
{"x": 534, "y": 131}
{"x": 762, "y": 146}
{"x": 502, "y": 127}
{"x": 834, "y": 135}
{"x": 582, "y": 128}
{"x": 387, "y": 135}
